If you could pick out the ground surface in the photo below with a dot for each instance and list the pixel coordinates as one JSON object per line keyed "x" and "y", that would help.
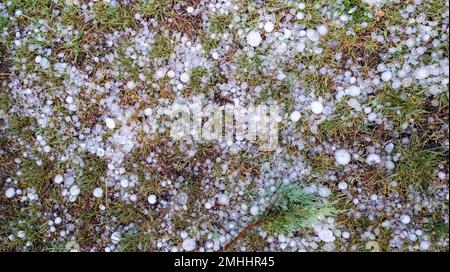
{"x": 87, "y": 162}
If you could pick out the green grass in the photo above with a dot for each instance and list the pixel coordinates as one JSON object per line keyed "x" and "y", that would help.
{"x": 401, "y": 106}
{"x": 162, "y": 47}
{"x": 294, "y": 209}
{"x": 197, "y": 73}
{"x": 111, "y": 18}
{"x": 93, "y": 172}
{"x": 158, "y": 9}
{"x": 220, "y": 23}
{"x": 136, "y": 241}
{"x": 343, "y": 124}
{"x": 417, "y": 165}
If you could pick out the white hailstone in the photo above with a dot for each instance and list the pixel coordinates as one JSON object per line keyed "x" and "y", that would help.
{"x": 190, "y": 9}
{"x": 345, "y": 234}
{"x": 390, "y": 165}
{"x": 189, "y": 244}
{"x": 342, "y": 186}
{"x": 269, "y": 27}
{"x": 131, "y": 85}
{"x": 254, "y": 210}
{"x": 100, "y": 152}
{"x": 405, "y": 219}
{"x": 312, "y": 35}
{"x": 10, "y": 193}
{"x": 47, "y": 149}
{"x": 324, "y": 192}
{"x": 342, "y": 157}
{"x": 171, "y": 74}
{"x": 301, "y": 5}
{"x": 223, "y": 199}
{"x": 148, "y": 112}
{"x": 45, "y": 64}
{"x": 354, "y": 104}
{"x": 124, "y": 183}
{"x": 160, "y": 73}
{"x": 322, "y": 29}
{"x": 441, "y": 175}
{"x": 373, "y": 159}
{"x": 98, "y": 192}
{"x": 421, "y": 73}
{"x": 151, "y": 199}
{"x": 69, "y": 100}
{"x": 425, "y": 245}
{"x": 353, "y": 91}
{"x": 58, "y": 220}
{"x": 58, "y": 179}
{"x": 254, "y": 38}
{"x": 110, "y": 123}
{"x": 74, "y": 191}
{"x": 18, "y": 13}
{"x": 115, "y": 237}
{"x": 326, "y": 236}
{"x": 372, "y": 117}
{"x": 208, "y": 205}
{"x": 295, "y": 116}
{"x": 184, "y": 77}
{"x": 316, "y": 107}
{"x": 386, "y": 76}
{"x": 20, "y": 234}
{"x": 38, "y": 59}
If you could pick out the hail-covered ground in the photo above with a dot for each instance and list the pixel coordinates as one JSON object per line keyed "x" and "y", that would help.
{"x": 87, "y": 162}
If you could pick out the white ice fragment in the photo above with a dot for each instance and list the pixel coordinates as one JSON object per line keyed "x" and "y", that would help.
{"x": 295, "y": 116}
{"x": 386, "y": 76}
{"x": 148, "y": 112}
{"x": 421, "y": 73}
{"x": 326, "y": 236}
{"x": 223, "y": 199}
{"x": 312, "y": 35}
{"x": 10, "y": 193}
{"x": 269, "y": 27}
{"x": 254, "y": 210}
{"x": 58, "y": 179}
{"x": 151, "y": 199}
{"x": 188, "y": 244}
{"x": 184, "y": 77}
{"x": 405, "y": 219}
{"x": 110, "y": 123}
{"x": 353, "y": 91}
{"x": 98, "y": 192}
{"x": 342, "y": 157}
{"x": 74, "y": 190}
{"x": 322, "y": 29}
{"x": 100, "y": 152}
{"x": 254, "y": 38}
{"x": 124, "y": 183}
{"x": 316, "y": 107}
{"x": 373, "y": 159}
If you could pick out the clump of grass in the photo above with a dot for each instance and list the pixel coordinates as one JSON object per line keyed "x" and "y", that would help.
{"x": 294, "y": 209}
{"x": 197, "y": 73}
{"x": 401, "y": 106}
{"x": 93, "y": 172}
{"x": 135, "y": 241}
{"x": 162, "y": 47}
{"x": 112, "y": 17}
{"x": 343, "y": 125}
{"x": 158, "y": 9}
{"x": 417, "y": 165}
{"x": 219, "y": 23}
{"x": 28, "y": 221}
{"x": 361, "y": 13}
